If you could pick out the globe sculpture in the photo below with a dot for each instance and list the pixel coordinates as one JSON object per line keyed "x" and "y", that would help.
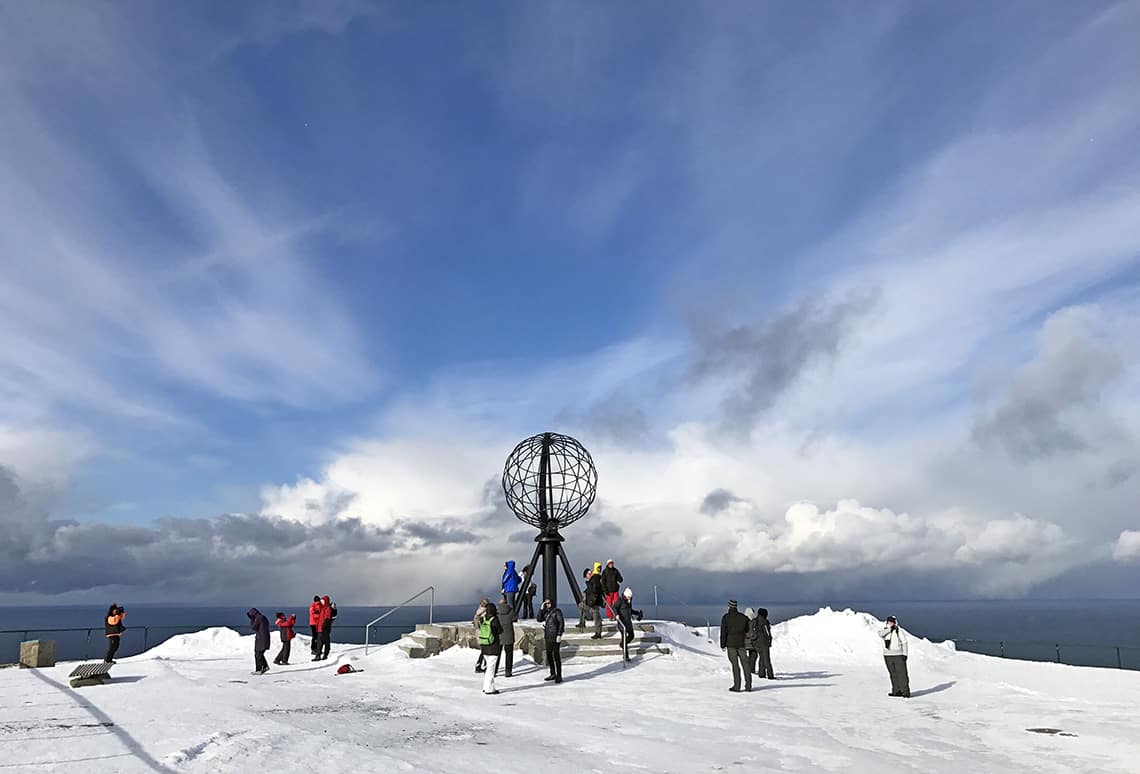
{"x": 550, "y": 482}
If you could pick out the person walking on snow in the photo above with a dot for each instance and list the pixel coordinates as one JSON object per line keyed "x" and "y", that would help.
{"x": 507, "y": 637}
{"x": 113, "y": 628}
{"x": 763, "y": 643}
{"x": 611, "y": 586}
{"x": 287, "y": 634}
{"x": 324, "y": 628}
{"x": 260, "y": 625}
{"x": 489, "y": 631}
{"x": 733, "y": 629}
{"x": 484, "y": 603}
{"x": 625, "y": 615}
{"x": 591, "y": 606}
{"x": 511, "y": 582}
{"x": 314, "y": 625}
{"x": 553, "y": 627}
{"x": 894, "y": 653}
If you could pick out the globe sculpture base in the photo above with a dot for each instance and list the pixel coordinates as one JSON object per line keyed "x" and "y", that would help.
{"x": 549, "y": 547}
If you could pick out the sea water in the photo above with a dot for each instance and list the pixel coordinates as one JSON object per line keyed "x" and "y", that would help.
{"x": 1088, "y": 632}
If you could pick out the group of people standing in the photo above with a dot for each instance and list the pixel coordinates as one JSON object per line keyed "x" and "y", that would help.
{"x": 321, "y": 615}
{"x": 514, "y": 584}
{"x": 747, "y": 639}
{"x": 494, "y": 623}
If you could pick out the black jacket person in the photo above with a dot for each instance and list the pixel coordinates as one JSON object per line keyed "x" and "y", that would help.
{"x": 260, "y": 625}
{"x": 733, "y": 633}
{"x": 113, "y": 628}
{"x": 592, "y": 600}
{"x": 626, "y": 614}
{"x": 553, "y": 627}
{"x": 611, "y": 585}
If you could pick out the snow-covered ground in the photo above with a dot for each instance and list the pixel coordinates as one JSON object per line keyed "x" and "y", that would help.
{"x": 191, "y": 704}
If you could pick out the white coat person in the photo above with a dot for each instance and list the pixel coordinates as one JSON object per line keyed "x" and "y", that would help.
{"x": 894, "y": 653}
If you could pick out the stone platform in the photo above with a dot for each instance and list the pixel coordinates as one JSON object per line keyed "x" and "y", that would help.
{"x": 432, "y": 639}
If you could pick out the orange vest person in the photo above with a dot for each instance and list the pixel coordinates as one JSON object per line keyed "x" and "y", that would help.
{"x": 113, "y": 626}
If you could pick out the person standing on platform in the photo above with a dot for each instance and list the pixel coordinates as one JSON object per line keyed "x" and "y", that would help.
{"x": 489, "y": 631}
{"x": 733, "y": 629}
{"x": 553, "y": 627}
{"x": 611, "y": 586}
{"x": 314, "y": 625}
{"x": 625, "y": 615}
{"x": 894, "y": 653}
{"x": 113, "y": 628}
{"x": 591, "y": 606}
{"x": 763, "y": 642}
{"x": 528, "y": 594}
{"x": 507, "y": 636}
{"x": 511, "y": 581}
{"x": 287, "y": 634}
{"x": 260, "y": 625}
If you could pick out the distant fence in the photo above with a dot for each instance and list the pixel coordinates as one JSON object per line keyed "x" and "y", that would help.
{"x": 1072, "y": 653}
{"x": 90, "y": 642}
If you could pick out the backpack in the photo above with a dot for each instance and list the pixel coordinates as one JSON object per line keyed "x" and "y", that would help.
{"x": 486, "y": 633}
{"x": 332, "y": 611}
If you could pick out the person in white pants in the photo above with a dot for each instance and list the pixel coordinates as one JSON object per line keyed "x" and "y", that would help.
{"x": 490, "y": 645}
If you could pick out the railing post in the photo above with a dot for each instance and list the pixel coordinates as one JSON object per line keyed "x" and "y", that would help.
{"x": 431, "y": 606}
{"x": 1058, "y": 646}
{"x": 1119, "y": 663}
{"x": 1001, "y": 648}
{"x": 656, "y": 607}
{"x": 366, "y": 628}
{"x": 146, "y": 637}
{"x": 87, "y": 645}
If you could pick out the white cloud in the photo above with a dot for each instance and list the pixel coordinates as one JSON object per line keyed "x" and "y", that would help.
{"x": 1127, "y": 546}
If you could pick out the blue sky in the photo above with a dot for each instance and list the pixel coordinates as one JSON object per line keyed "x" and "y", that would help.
{"x": 266, "y": 258}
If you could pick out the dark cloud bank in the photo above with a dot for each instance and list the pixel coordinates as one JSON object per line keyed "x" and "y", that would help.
{"x": 186, "y": 557}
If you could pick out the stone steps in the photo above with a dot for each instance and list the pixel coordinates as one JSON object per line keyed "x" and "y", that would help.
{"x": 434, "y": 638}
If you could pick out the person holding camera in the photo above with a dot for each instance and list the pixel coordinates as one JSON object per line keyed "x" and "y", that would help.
{"x": 113, "y": 628}
{"x": 894, "y": 653}
{"x": 553, "y": 627}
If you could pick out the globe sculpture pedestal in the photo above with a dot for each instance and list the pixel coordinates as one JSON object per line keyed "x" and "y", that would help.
{"x": 550, "y": 482}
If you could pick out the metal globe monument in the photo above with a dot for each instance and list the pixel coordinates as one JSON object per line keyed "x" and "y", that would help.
{"x": 550, "y": 482}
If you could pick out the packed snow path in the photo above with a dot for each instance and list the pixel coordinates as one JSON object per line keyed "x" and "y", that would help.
{"x": 192, "y": 705}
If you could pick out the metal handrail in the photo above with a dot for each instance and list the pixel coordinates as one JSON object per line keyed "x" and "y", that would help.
{"x": 431, "y": 608}
{"x": 657, "y": 611}
{"x": 130, "y": 631}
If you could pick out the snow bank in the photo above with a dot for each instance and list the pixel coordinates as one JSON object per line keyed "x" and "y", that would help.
{"x": 843, "y": 636}
{"x": 218, "y": 642}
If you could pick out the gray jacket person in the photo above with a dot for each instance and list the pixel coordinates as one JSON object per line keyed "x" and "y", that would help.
{"x": 507, "y": 638}
{"x": 894, "y": 653}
